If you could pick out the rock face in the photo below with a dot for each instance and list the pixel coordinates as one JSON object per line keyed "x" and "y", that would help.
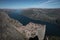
{"x": 32, "y": 30}
{"x": 13, "y": 30}
{"x": 8, "y": 30}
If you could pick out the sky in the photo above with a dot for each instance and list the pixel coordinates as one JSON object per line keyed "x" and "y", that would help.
{"x": 17, "y": 4}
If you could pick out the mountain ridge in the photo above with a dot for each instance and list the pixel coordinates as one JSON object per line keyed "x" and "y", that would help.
{"x": 48, "y": 15}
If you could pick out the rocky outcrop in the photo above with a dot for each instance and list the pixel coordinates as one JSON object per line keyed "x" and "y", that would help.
{"x": 8, "y": 30}
{"x": 13, "y": 30}
{"x": 32, "y": 30}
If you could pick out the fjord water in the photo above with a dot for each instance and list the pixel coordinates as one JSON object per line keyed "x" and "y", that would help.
{"x": 51, "y": 29}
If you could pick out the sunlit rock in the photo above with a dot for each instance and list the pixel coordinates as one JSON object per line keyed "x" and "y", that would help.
{"x": 8, "y": 30}
{"x": 32, "y": 30}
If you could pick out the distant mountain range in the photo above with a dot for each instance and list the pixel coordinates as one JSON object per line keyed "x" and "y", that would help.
{"x": 48, "y": 15}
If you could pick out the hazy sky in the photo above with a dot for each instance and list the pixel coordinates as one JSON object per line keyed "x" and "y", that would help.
{"x": 16, "y": 4}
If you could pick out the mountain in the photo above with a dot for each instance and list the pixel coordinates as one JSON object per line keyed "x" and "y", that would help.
{"x": 12, "y": 29}
{"x": 19, "y": 21}
{"x": 51, "y": 29}
{"x": 8, "y": 30}
{"x": 48, "y": 15}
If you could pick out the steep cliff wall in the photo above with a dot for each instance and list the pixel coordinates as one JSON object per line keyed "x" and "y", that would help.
{"x": 8, "y": 30}
{"x": 32, "y": 30}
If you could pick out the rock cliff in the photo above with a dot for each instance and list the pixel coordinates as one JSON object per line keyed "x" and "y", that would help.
{"x": 32, "y": 30}
{"x": 13, "y": 30}
{"x": 8, "y": 30}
